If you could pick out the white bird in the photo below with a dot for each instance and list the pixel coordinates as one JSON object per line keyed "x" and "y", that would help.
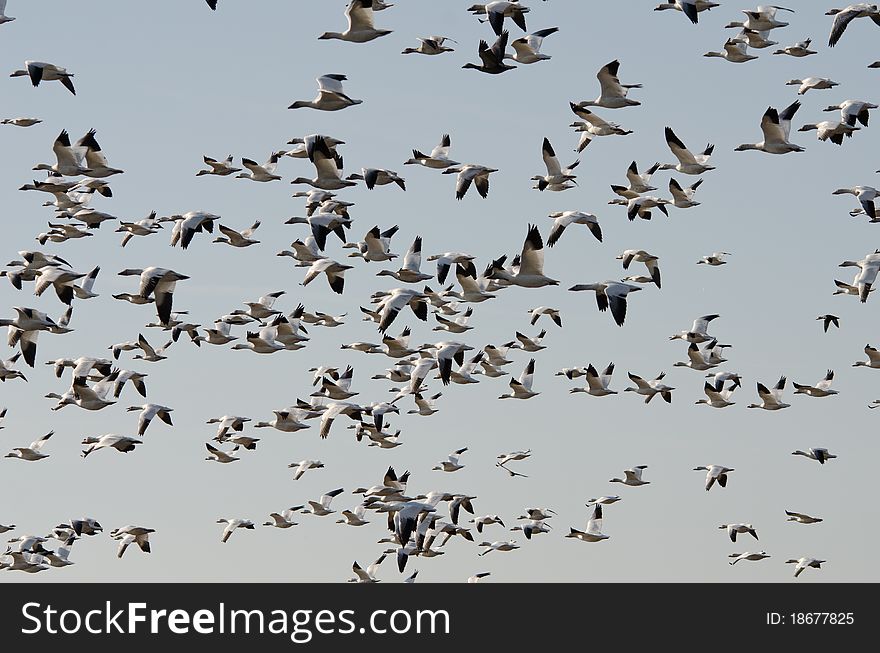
{"x": 808, "y": 83}
{"x": 632, "y": 477}
{"x": 367, "y": 575}
{"x": 148, "y": 412}
{"x": 716, "y": 398}
{"x": 771, "y": 399}
{"x": 220, "y": 168}
{"x": 641, "y": 256}
{"x": 159, "y": 282}
{"x": 330, "y": 96}
{"x": 801, "y": 518}
{"x": 649, "y": 389}
{"x": 747, "y": 556}
{"x": 132, "y": 535}
{"x": 611, "y": 294}
{"x": 682, "y": 198}
{"x": 527, "y": 49}
{"x": 376, "y": 245}
{"x": 476, "y": 578}
{"x": 497, "y": 10}
{"x": 334, "y": 270}
{"x": 437, "y": 159}
{"x": 303, "y": 466}
{"x": 509, "y": 545}
{"x": 321, "y": 507}
{"x": 121, "y": 443}
{"x": 735, "y": 51}
{"x": 143, "y": 227}
{"x": 360, "y": 24}
{"x": 430, "y": 45}
{"x": 354, "y": 518}
{"x": 820, "y": 389}
{"x": 799, "y": 49}
{"x": 593, "y": 531}
{"x": 41, "y": 71}
{"x": 19, "y": 122}
{"x": 399, "y": 299}
{"x": 32, "y": 452}
{"x": 283, "y": 519}
{"x": 873, "y": 358}
{"x": 829, "y": 130}
{"x": 238, "y": 238}
{"x": 688, "y": 163}
{"x": 597, "y": 384}
{"x": 715, "y": 473}
{"x": 562, "y": 219}
{"x": 612, "y": 94}
{"x": 714, "y": 259}
{"x": 221, "y": 456}
{"x": 819, "y": 454}
{"x": 522, "y": 388}
{"x": 592, "y": 125}
{"x": 530, "y": 273}
{"x": 451, "y": 464}
{"x": 804, "y": 563}
{"x": 232, "y": 524}
{"x": 843, "y": 17}
{"x": 852, "y": 111}
{"x": 689, "y": 8}
{"x": 734, "y": 529}
{"x": 605, "y": 500}
{"x": 555, "y": 176}
{"x": 866, "y": 196}
{"x": 761, "y": 19}
{"x": 373, "y": 177}
{"x": 470, "y": 173}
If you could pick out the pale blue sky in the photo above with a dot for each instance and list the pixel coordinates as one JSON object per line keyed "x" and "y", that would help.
{"x": 167, "y": 82}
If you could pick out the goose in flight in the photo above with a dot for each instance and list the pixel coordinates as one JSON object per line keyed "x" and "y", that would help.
{"x": 592, "y": 125}
{"x": 747, "y": 556}
{"x": 715, "y": 473}
{"x": 20, "y": 122}
{"x": 530, "y": 273}
{"x": 536, "y": 313}
{"x": 688, "y": 163}
{"x": 88, "y": 398}
{"x": 220, "y": 456}
{"x": 734, "y": 529}
{"x": 143, "y": 227}
{"x": 233, "y": 524}
{"x": 699, "y": 360}
{"x": 828, "y": 130}
{"x": 397, "y": 300}
{"x": 437, "y": 159}
{"x": 260, "y": 172}
{"x": 612, "y": 94}
{"x": 220, "y": 168}
{"x": 238, "y": 238}
{"x": 40, "y": 71}
{"x": 828, "y": 320}
{"x": 32, "y": 452}
{"x": 335, "y": 273}
{"x": 527, "y": 49}
{"x": 650, "y": 388}
{"x": 159, "y": 282}
{"x": 522, "y": 388}
{"x": 735, "y": 51}
{"x": 799, "y": 49}
{"x": 714, "y": 259}
{"x": 808, "y": 83}
{"x": 689, "y": 8}
{"x": 497, "y": 10}
{"x": 492, "y": 59}
{"x": 597, "y": 384}
{"x": 641, "y": 256}
{"x": 682, "y": 198}
{"x": 7, "y": 373}
{"x": 69, "y": 159}
{"x": 562, "y": 219}
{"x": 532, "y": 344}
{"x": 761, "y": 19}
{"x": 355, "y": 518}
{"x": 470, "y": 173}
{"x": 360, "y": 24}
{"x": 852, "y": 111}
{"x": 330, "y": 96}
{"x": 328, "y": 167}
{"x": 487, "y": 520}
{"x": 593, "y": 531}
{"x": 801, "y": 518}
{"x": 121, "y": 443}
{"x": 611, "y": 294}
{"x": 451, "y": 464}
{"x": 431, "y": 45}
{"x": 771, "y": 399}
{"x": 373, "y": 177}
{"x": 367, "y": 575}
{"x": 148, "y": 412}
{"x": 283, "y": 519}
{"x": 755, "y": 39}
{"x": 556, "y": 178}
{"x": 819, "y": 454}
{"x": 717, "y": 398}
{"x": 821, "y": 389}
{"x": 864, "y": 280}
{"x": 632, "y": 477}
{"x": 776, "y": 127}
{"x": 136, "y": 535}
{"x": 376, "y": 245}
{"x": 873, "y": 358}
{"x": 410, "y": 271}
{"x": 843, "y": 17}
{"x": 498, "y": 546}
{"x": 97, "y": 165}
{"x": 866, "y": 196}
{"x": 804, "y": 563}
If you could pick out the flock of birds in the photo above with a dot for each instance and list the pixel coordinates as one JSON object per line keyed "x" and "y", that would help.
{"x": 413, "y": 520}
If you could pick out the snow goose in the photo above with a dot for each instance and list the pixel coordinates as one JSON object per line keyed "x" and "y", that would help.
{"x": 682, "y": 198}
{"x": 734, "y": 529}
{"x": 498, "y": 546}
{"x": 536, "y": 313}
{"x": 532, "y": 527}
{"x": 698, "y": 332}
{"x": 612, "y": 93}
{"x": 492, "y": 59}
{"x": 505, "y": 458}
{"x": 41, "y": 71}
{"x": 755, "y": 39}
{"x": 819, "y": 454}
{"x": 688, "y": 163}
{"x": 808, "y": 83}
{"x": 531, "y": 267}
{"x": 527, "y": 48}
{"x": 866, "y": 196}
{"x": 828, "y": 320}
{"x": 376, "y": 245}
{"x": 220, "y": 168}
{"x": 650, "y": 388}
{"x": 761, "y": 19}
{"x": 799, "y": 49}
{"x": 864, "y": 280}
{"x": 610, "y": 293}
{"x": 852, "y": 111}
{"x": 562, "y": 219}
{"x": 593, "y": 530}
{"x": 747, "y": 556}
{"x": 451, "y": 463}
{"x": 354, "y": 518}
{"x": 321, "y": 507}
{"x": 487, "y": 520}
{"x": 771, "y": 399}
{"x": 97, "y": 165}
{"x": 735, "y": 51}
{"x": 697, "y": 359}
{"x": 227, "y": 422}
{"x": 715, "y": 473}
{"x": 262, "y": 341}
{"x": 632, "y": 477}
{"x": 396, "y": 301}
{"x": 531, "y": 344}
{"x": 829, "y": 130}
{"x": 457, "y": 325}
{"x": 641, "y": 256}
{"x": 60, "y": 279}
{"x": 373, "y": 177}
{"x": 238, "y": 238}
{"x": 717, "y": 398}
{"x": 473, "y": 288}
{"x": 409, "y": 272}
{"x": 467, "y": 174}
{"x": 641, "y": 205}
{"x": 3, "y": 17}
{"x": 430, "y": 45}
{"x": 283, "y": 519}
{"x": 160, "y": 283}
{"x": 367, "y": 575}
{"x": 143, "y": 227}
{"x": 597, "y": 384}
{"x": 232, "y": 525}
{"x": 258, "y": 172}
{"x": 219, "y": 335}
{"x": 843, "y": 17}
{"x": 333, "y": 410}
{"x": 522, "y": 388}
{"x": 121, "y": 443}
{"x": 148, "y": 412}
{"x": 330, "y": 96}
{"x": 20, "y": 122}
{"x": 873, "y": 358}
{"x": 555, "y": 174}
{"x": 336, "y": 386}
{"x": 32, "y": 452}
{"x": 7, "y": 373}
{"x": 801, "y": 518}
{"x": 804, "y": 563}
{"x": 605, "y": 500}
{"x": 150, "y": 354}
{"x": 593, "y": 126}
{"x": 335, "y": 273}
{"x": 360, "y": 24}
{"x": 287, "y": 421}
{"x": 219, "y": 456}
{"x": 821, "y": 389}
{"x": 689, "y": 8}
{"x": 88, "y": 398}
{"x": 714, "y": 259}
{"x": 497, "y": 10}
{"x": 438, "y": 158}
{"x": 424, "y": 406}
{"x": 69, "y": 159}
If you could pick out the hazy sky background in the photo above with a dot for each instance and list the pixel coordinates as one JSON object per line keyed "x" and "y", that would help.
{"x": 167, "y": 82}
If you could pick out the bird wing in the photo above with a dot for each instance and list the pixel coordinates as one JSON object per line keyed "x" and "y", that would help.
{"x": 678, "y": 148}
{"x": 550, "y": 160}
{"x": 608, "y": 81}
{"x": 532, "y": 257}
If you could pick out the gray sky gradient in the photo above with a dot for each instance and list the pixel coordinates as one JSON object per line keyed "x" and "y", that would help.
{"x": 166, "y": 82}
